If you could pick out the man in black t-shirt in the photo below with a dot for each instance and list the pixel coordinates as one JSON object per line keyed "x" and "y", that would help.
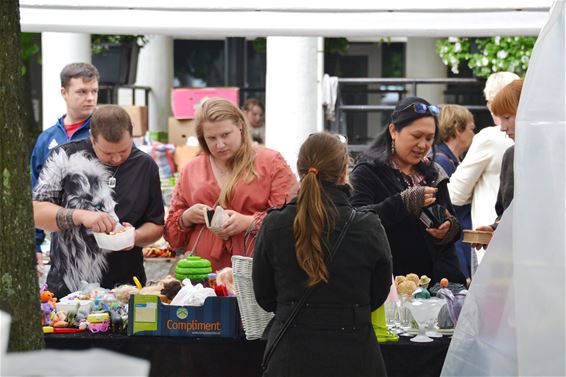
{"x": 80, "y": 188}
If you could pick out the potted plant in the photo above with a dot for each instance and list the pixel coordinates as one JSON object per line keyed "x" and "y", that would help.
{"x": 116, "y": 57}
{"x": 485, "y": 56}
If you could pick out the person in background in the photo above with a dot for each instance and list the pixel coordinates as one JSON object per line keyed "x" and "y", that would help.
{"x": 85, "y": 186}
{"x": 505, "y": 106}
{"x": 476, "y": 179}
{"x": 79, "y": 89}
{"x": 255, "y": 116}
{"x": 395, "y": 178}
{"x": 243, "y": 179}
{"x": 293, "y": 253}
{"x": 456, "y": 129}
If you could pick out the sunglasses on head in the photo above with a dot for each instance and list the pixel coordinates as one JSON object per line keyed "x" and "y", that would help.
{"x": 421, "y": 108}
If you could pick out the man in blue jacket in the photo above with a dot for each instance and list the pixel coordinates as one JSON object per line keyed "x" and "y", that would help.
{"x": 79, "y": 88}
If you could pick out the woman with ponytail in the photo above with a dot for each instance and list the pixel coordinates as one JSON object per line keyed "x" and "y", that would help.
{"x": 297, "y": 249}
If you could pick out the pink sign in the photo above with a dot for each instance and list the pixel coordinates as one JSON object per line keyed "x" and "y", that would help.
{"x": 185, "y": 101}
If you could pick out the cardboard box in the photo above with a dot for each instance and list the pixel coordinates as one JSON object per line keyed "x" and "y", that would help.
{"x": 183, "y": 154}
{"x": 138, "y": 114}
{"x": 185, "y": 101}
{"x": 219, "y": 317}
{"x": 477, "y": 236}
{"x": 179, "y": 130}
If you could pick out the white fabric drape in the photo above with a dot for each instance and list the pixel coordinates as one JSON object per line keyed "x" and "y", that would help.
{"x": 513, "y": 321}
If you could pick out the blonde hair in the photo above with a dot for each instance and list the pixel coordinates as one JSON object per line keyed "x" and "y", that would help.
{"x": 323, "y": 158}
{"x": 453, "y": 118}
{"x": 242, "y": 164}
{"x": 506, "y": 101}
{"x": 495, "y": 82}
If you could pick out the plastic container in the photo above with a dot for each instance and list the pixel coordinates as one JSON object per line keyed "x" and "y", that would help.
{"x": 84, "y": 306}
{"x": 117, "y": 241}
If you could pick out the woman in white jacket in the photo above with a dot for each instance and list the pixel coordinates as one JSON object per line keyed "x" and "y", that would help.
{"x": 476, "y": 179}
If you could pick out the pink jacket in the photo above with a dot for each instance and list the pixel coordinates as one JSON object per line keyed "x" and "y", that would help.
{"x": 274, "y": 187}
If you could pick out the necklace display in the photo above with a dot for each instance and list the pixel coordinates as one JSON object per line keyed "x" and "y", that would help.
{"x": 112, "y": 180}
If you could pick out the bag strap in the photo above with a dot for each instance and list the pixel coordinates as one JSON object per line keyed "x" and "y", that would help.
{"x": 193, "y": 249}
{"x": 297, "y": 308}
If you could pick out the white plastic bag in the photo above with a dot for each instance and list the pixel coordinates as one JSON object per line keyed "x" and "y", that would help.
{"x": 190, "y": 295}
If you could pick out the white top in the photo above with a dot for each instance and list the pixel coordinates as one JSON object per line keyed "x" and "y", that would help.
{"x": 257, "y": 132}
{"x": 476, "y": 179}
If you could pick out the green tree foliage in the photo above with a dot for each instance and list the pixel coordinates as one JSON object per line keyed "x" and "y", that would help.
{"x": 30, "y": 50}
{"x": 100, "y": 42}
{"x": 487, "y": 55}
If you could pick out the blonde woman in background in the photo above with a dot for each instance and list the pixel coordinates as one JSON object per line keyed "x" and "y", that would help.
{"x": 456, "y": 131}
{"x": 255, "y": 115}
{"x": 243, "y": 179}
{"x": 476, "y": 180}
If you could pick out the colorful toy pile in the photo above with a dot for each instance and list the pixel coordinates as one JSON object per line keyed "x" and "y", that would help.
{"x": 82, "y": 310}
{"x": 99, "y": 310}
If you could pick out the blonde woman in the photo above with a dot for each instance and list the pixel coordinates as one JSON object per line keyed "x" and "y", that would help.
{"x": 299, "y": 249}
{"x": 244, "y": 180}
{"x": 456, "y": 130}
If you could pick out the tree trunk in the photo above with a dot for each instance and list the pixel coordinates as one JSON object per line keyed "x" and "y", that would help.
{"x": 18, "y": 274}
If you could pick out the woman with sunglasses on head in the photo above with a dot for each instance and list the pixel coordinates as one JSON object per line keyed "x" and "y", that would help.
{"x": 395, "y": 178}
{"x": 318, "y": 244}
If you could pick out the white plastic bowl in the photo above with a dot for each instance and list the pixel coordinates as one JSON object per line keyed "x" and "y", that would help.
{"x": 118, "y": 241}
{"x": 85, "y": 306}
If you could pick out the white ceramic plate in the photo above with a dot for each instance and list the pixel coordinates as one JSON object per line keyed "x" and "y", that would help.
{"x": 442, "y": 331}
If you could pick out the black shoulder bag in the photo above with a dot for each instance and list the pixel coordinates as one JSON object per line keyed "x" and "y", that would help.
{"x": 297, "y": 308}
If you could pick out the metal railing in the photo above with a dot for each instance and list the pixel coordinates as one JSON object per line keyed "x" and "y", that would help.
{"x": 111, "y": 92}
{"x": 340, "y": 126}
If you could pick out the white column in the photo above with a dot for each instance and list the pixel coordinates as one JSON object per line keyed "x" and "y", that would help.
{"x": 320, "y": 118}
{"x": 422, "y": 61}
{"x": 58, "y": 50}
{"x": 155, "y": 69}
{"x": 291, "y": 94}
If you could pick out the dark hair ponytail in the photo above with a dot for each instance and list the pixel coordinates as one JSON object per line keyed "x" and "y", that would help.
{"x": 322, "y": 159}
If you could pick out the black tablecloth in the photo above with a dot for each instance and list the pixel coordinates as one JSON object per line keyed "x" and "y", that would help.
{"x": 181, "y": 356}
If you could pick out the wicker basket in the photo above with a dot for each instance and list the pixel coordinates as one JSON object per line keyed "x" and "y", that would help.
{"x": 254, "y": 318}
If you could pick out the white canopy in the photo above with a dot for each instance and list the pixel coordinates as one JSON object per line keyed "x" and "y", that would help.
{"x": 221, "y": 18}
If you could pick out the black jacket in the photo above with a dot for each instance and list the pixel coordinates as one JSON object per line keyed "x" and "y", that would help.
{"x": 506, "y": 182}
{"x": 378, "y": 186}
{"x": 332, "y": 335}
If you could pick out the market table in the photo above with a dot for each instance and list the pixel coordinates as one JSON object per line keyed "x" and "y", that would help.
{"x": 182, "y": 356}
